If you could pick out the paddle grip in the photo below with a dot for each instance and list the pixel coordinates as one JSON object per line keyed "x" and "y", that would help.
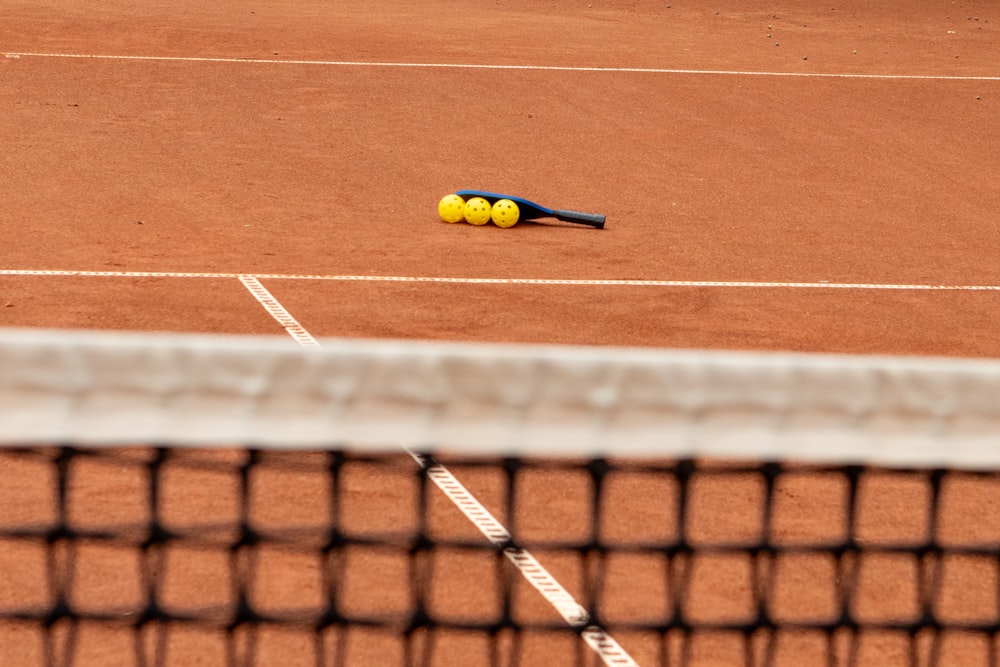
{"x": 592, "y": 219}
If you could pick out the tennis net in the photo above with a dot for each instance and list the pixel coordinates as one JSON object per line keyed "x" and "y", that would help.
{"x": 177, "y": 500}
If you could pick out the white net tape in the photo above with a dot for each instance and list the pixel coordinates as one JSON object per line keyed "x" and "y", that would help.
{"x": 115, "y": 388}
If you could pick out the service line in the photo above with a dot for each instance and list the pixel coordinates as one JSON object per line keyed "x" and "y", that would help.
{"x": 459, "y": 280}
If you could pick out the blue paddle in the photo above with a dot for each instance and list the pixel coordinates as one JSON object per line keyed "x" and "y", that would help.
{"x": 532, "y": 211}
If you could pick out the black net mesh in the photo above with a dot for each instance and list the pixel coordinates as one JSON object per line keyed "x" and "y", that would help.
{"x": 159, "y": 556}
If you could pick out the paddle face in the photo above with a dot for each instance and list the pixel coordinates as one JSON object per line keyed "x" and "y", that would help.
{"x": 529, "y": 210}
{"x": 532, "y": 211}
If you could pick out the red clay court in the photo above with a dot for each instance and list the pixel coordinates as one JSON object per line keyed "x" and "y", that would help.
{"x": 777, "y": 177}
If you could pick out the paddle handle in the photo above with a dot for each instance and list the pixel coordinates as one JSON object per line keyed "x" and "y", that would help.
{"x": 592, "y": 219}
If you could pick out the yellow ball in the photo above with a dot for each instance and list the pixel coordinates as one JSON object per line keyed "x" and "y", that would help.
{"x": 505, "y": 213}
{"x": 477, "y": 211}
{"x": 451, "y": 208}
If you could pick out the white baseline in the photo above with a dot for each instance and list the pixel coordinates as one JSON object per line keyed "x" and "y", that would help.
{"x": 487, "y": 66}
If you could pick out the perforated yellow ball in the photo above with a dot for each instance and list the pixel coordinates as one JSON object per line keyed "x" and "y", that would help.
{"x": 505, "y": 213}
{"x": 477, "y": 211}
{"x": 451, "y": 208}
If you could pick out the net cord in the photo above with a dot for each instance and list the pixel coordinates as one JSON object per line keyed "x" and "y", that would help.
{"x": 116, "y": 388}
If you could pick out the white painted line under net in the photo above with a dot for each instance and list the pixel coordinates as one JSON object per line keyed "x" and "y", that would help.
{"x": 575, "y": 615}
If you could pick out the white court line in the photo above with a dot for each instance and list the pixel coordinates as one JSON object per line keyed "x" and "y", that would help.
{"x": 580, "y": 282}
{"x": 486, "y": 66}
{"x": 572, "y": 612}
{"x": 278, "y": 312}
